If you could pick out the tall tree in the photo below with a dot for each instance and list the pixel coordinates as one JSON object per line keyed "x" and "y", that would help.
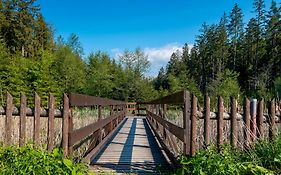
{"x": 235, "y": 30}
{"x": 136, "y": 61}
{"x": 273, "y": 38}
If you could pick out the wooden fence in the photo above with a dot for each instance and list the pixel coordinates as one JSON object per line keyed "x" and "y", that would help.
{"x": 169, "y": 135}
{"x": 98, "y": 132}
{"x": 23, "y": 111}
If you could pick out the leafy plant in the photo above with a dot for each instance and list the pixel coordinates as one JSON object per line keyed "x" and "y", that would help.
{"x": 263, "y": 158}
{"x": 29, "y": 160}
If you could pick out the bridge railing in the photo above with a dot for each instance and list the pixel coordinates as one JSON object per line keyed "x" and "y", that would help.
{"x": 198, "y": 129}
{"x": 170, "y": 136}
{"x": 97, "y": 132}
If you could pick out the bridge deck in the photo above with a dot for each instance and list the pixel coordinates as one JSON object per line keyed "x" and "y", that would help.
{"x": 133, "y": 149}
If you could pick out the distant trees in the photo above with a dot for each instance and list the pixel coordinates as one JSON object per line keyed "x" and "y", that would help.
{"x": 31, "y": 60}
{"x": 230, "y": 58}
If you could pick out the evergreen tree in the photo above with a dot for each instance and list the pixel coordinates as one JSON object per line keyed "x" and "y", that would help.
{"x": 235, "y": 30}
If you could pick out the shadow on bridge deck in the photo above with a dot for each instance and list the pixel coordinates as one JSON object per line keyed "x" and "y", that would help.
{"x": 133, "y": 149}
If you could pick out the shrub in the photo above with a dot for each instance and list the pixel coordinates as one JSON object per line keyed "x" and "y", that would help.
{"x": 29, "y": 160}
{"x": 263, "y": 158}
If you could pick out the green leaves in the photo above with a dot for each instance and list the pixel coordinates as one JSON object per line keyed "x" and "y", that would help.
{"x": 28, "y": 160}
{"x": 263, "y": 159}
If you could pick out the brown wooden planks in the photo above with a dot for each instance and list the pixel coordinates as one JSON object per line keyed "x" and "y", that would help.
{"x": 272, "y": 112}
{"x": 260, "y": 119}
{"x": 51, "y": 123}
{"x": 36, "y": 123}
{"x": 186, "y": 123}
{"x": 193, "y": 125}
{"x": 247, "y": 128}
{"x": 233, "y": 123}
{"x": 22, "y": 129}
{"x": 80, "y": 100}
{"x": 9, "y": 119}
{"x": 207, "y": 121}
{"x": 65, "y": 124}
{"x": 174, "y": 129}
{"x": 176, "y": 98}
{"x": 220, "y": 122}
{"x": 253, "y": 119}
{"x": 77, "y": 135}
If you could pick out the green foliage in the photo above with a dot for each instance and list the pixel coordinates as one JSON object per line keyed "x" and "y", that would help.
{"x": 277, "y": 88}
{"x": 266, "y": 154}
{"x": 29, "y": 160}
{"x": 225, "y": 85}
{"x": 263, "y": 158}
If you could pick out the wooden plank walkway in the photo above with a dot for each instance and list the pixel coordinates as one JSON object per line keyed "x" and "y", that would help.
{"x": 133, "y": 149}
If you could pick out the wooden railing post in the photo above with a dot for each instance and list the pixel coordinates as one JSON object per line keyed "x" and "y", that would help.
{"x": 111, "y": 110}
{"x": 186, "y": 123}
{"x": 207, "y": 121}
{"x": 271, "y": 120}
{"x": 99, "y": 113}
{"x": 260, "y": 119}
{"x": 65, "y": 125}
{"x": 247, "y": 128}
{"x": 253, "y": 119}
{"x": 22, "y": 130}
{"x": 220, "y": 122}
{"x": 193, "y": 125}
{"x": 9, "y": 119}
{"x": 51, "y": 122}
{"x": 233, "y": 123}
{"x": 36, "y": 125}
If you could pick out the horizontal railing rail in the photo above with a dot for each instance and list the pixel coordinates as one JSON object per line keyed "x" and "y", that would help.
{"x": 100, "y": 131}
{"x": 80, "y": 100}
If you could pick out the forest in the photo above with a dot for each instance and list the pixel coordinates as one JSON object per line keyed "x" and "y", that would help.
{"x": 230, "y": 58}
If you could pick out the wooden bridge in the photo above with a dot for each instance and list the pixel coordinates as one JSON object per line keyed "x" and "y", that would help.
{"x": 138, "y": 138}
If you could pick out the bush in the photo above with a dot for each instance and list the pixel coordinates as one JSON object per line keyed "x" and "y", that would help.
{"x": 29, "y": 160}
{"x": 263, "y": 158}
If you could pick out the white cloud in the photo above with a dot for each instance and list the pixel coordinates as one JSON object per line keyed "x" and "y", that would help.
{"x": 162, "y": 54}
{"x": 116, "y": 53}
{"x": 158, "y": 56}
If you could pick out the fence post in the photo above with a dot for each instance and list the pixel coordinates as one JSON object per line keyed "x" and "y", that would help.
{"x": 37, "y": 111}
{"x": 51, "y": 122}
{"x": 271, "y": 120}
{"x": 260, "y": 119}
{"x": 9, "y": 119}
{"x": 111, "y": 110}
{"x": 233, "y": 123}
{"x": 207, "y": 121}
{"x": 220, "y": 122}
{"x": 253, "y": 119}
{"x": 99, "y": 113}
{"x": 193, "y": 124}
{"x": 22, "y": 129}
{"x": 246, "y": 118}
{"x": 65, "y": 125}
{"x": 186, "y": 123}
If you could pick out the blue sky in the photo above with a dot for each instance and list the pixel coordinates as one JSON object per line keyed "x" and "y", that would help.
{"x": 159, "y": 27}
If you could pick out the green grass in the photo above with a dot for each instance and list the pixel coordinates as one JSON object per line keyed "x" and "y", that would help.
{"x": 28, "y": 160}
{"x": 263, "y": 158}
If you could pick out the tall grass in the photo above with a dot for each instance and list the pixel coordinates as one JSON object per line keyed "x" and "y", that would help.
{"x": 263, "y": 158}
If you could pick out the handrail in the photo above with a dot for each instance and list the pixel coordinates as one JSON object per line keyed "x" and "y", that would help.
{"x": 80, "y": 100}
{"x": 172, "y": 128}
{"x": 176, "y": 98}
{"x": 81, "y": 133}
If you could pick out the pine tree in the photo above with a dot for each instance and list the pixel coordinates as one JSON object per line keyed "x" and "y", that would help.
{"x": 273, "y": 35}
{"x": 235, "y": 30}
